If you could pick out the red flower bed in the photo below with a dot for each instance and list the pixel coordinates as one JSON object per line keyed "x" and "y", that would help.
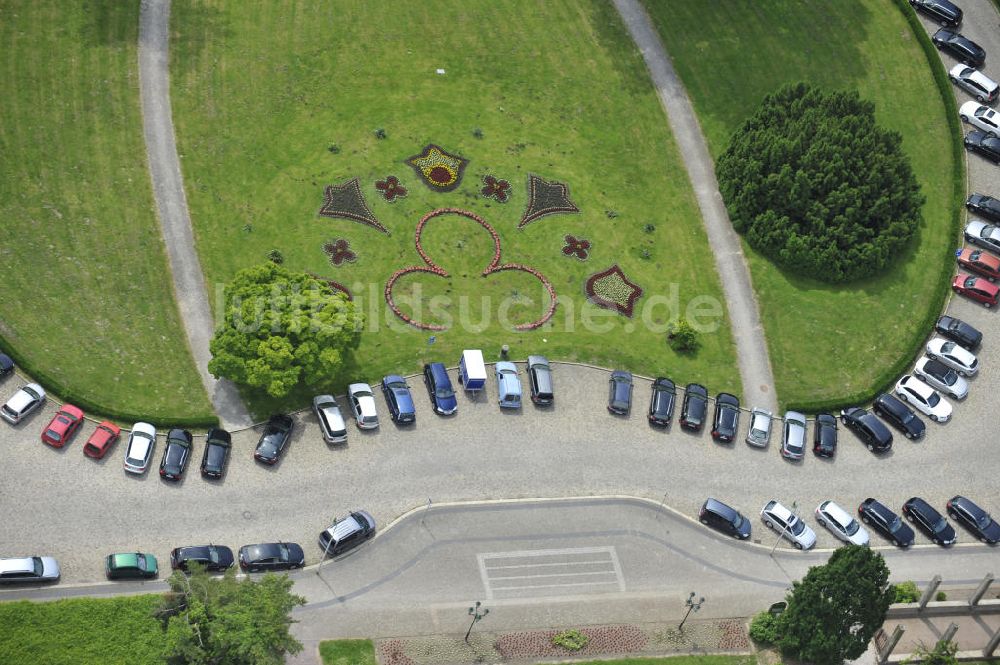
{"x": 602, "y": 640}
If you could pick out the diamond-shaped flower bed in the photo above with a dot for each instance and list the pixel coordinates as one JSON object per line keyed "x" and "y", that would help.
{"x": 611, "y": 289}
{"x": 346, "y": 201}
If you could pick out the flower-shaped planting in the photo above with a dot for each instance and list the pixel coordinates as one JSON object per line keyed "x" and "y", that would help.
{"x": 439, "y": 170}
{"x": 494, "y": 267}
{"x": 348, "y": 202}
{"x": 495, "y": 188}
{"x": 611, "y": 289}
{"x": 339, "y": 251}
{"x": 577, "y": 247}
{"x": 390, "y": 189}
{"x": 545, "y": 198}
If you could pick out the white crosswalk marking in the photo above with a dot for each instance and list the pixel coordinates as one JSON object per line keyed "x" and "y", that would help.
{"x": 539, "y": 572}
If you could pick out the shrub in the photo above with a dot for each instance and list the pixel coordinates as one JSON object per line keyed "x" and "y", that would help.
{"x": 940, "y": 596}
{"x": 573, "y": 640}
{"x": 764, "y": 628}
{"x": 477, "y": 133}
{"x": 943, "y": 653}
{"x": 276, "y": 257}
{"x": 683, "y": 337}
{"x": 906, "y": 592}
{"x": 814, "y": 184}
{"x": 380, "y": 133}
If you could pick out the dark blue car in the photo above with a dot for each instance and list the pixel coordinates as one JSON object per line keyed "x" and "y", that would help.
{"x": 439, "y": 387}
{"x": 400, "y": 401}
{"x": 620, "y": 393}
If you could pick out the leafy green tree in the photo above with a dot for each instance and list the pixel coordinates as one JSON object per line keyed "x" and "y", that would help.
{"x": 282, "y": 329}
{"x": 222, "y": 621}
{"x": 837, "y": 607}
{"x": 683, "y": 337}
{"x": 814, "y": 184}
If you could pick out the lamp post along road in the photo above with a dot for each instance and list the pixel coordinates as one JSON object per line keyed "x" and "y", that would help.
{"x": 691, "y": 605}
{"x": 783, "y": 530}
{"x": 476, "y": 616}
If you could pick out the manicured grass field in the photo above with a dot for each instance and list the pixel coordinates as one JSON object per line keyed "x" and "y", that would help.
{"x": 81, "y": 631}
{"x": 826, "y": 341}
{"x": 274, "y": 101}
{"x": 85, "y": 293}
{"x": 347, "y": 652}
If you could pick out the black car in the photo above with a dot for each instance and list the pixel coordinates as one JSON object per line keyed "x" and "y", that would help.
{"x": 929, "y": 521}
{"x": 540, "y": 381}
{"x": 271, "y": 556}
{"x": 959, "y": 331}
{"x": 986, "y": 145}
{"x": 620, "y": 393}
{"x": 218, "y": 443}
{"x": 900, "y": 416}
{"x": 962, "y": 49}
{"x": 6, "y": 365}
{"x": 975, "y": 519}
{"x": 695, "y": 406}
{"x": 985, "y": 206}
{"x": 728, "y": 520}
{"x": 176, "y": 454}
{"x": 825, "y": 435}
{"x": 886, "y": 522}
{"x": 661, "y": 402}
{"x": 215, "y": 558}
{"x": 727, "y": 417}
{"x": 876, "y": 436}
{"x": 347, "y": 532}
{"x": 400, "y": 400}
{"x": 275, "y": 437}
{"x": 439, "y": 388}
{"x": 942, "y": 11}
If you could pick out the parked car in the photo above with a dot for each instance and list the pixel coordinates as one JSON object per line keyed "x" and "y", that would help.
{"x": 508, "y": 385}
{"x": 959, "y": 331}
{"x": 979, "y": 289}
{"x": 398, "y": 397}
{"x": 942, "y": 11}
{"x": 925, "y": 399}
{"x": 959, "y": 47}
{"x": 974, "y": 82}
{"x": 362, "y": 402}
{"x": 929, "y": 521}
{"x": 20, "y": 570}
{"x": 215, "y": 558}
{"x": 975, "y": 519}
{"x": 840, "y": 523}
{"x": 888, "y": 523}
{"x": 981, "y": 117}
{"x": 694, "y": 408}
{"x": 63, "y": 426}
{"x": 6, "y": 365}
{"x": 954, "y": 356}
{"x": 130, "y": 565}
{"x": 540, "y": 381}
{"x": 900, "y": 416}
{"x": 276, "y": 435}
{"x": 793, "y": 439}
{"x": 876, "y": 437}
{"x": 938, "y": 375}
{"x": 102, "y": 439}
{"x": 439, "y": 388}
{"x": 985, "y": 206}
{"x": 22, "y": 403}
{"x": 176, "y": 454}
{"x": 760, "y": 427}
{"x": 661, "y": 401}
{"x": 979, "y": 262}
{"x": 346, "y": 533}
{"x": 218, "y": 445}
{"x": 620, "y": 392}
{"x": 982, "y": 234}
{"x": 983, "y": 144}
{"x": 139, "y": 451}
{"x": 825, "y": 435}
{"x": 271, "y": 556}
{"x": 791, "y": 527}
{"x": 724, "y": 518}
{"x": 726, "y": 422}
{"x": 331, "y": 420}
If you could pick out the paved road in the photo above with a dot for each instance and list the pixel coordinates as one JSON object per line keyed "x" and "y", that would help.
{"x": 741, "y": 302}
{"x": 175, "y": 222}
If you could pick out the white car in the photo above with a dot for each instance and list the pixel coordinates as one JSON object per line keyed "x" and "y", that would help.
{"x": 331, "y": 420}
{"x": 840, "y": 523}
{"x": 23, "y": 402}
{"x": 953, "y": 355}
{"x": 974, "y": 82}
{"x": 139, "y": 450}
{"x": 781, "y": 519}
{"x": 926, "y": 400}
{"x": 981, "y": 117}
{"x": 363, "y": 405}
{"x": 938, "y": 375}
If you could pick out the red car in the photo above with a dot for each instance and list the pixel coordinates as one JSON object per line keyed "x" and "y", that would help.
{"x": 63, "y": 426}
{"x": 976, "y": 288}
{"x": 979, "y": 262}
{"x": 101, "y": 440}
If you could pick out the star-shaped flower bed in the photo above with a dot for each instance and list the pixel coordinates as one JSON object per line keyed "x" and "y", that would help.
{"x": 545, "y": 198}
{"x": 346, "y": 201}
{"x": 611, "y": 289}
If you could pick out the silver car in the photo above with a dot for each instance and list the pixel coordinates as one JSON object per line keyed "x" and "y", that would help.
{"x": 23, "y": 402}
{"x": 974, "y": 82}
{"x": 981, "y": 117}
{"x": 760, "y": 428}
{"x": 789, "y": 525}
{"x": 363, "y": 405}
{"x": 793, "y": 441}
{"x": 29, "y": 569}
{"x": 953, "y": 355}
{"x": 331, "y": 420}
{"x": 942, "y": 377}
{"x": 840, "y": 523}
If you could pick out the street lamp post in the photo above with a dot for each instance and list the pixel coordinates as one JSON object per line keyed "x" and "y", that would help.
{"x": 476, "y": 616}
{"x": 326, "y": 551}
{"x": 783, "y": 530}
{"x": 691, "y": 605}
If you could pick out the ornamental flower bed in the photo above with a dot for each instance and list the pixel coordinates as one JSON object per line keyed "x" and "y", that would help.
{"x": 440, "y": 170}
{"x": 390, "y": 189}
{"x": 545, "y": 198}
{"x": 495, "y": 189}
{"x": 611, "y": 289}
{"x": 339, "y": 251}
{"x": 576, "y": 247}
{"x": 601, "y": 640}
{"x": 346, "y": 201}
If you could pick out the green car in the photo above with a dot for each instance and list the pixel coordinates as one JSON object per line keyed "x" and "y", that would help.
{"x": 130, "y": 565}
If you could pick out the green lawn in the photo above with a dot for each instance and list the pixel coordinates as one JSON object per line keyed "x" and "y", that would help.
{"x": 347, "y": 652}
{"x": 85, "y": 295}
{"x": 263, "y": 90}
{"x": 82, "y": 631}
{"x": 827, "y": 341}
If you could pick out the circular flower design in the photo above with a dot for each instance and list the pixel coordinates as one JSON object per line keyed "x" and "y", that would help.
{"x": 390, "y": 188}
{"x": 578, "y": 247}
{"x": 339, "y": 251}
{"x": 496, "y": 188}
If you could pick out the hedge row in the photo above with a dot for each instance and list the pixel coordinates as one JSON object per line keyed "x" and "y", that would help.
{"x": 923, "y": 331}
{"x": 66, "y": 394}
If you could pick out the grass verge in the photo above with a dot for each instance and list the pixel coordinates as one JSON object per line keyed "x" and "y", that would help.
{"x": 347, "y": 652}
